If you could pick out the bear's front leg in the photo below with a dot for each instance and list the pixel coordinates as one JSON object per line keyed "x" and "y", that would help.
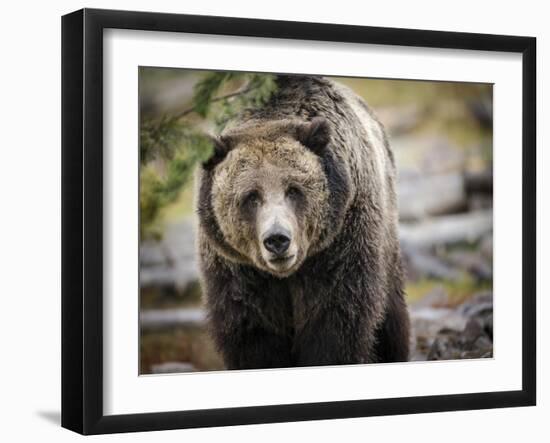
{"x": 334, "y": 335}
{"x": 338, "y": 309}
{"x": 244, "y": 340}
{"x": 249, "y": 318}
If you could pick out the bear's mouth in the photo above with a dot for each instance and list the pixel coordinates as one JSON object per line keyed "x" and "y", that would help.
{"x": 281, "y": 260}
{"x": 281, "y": 266}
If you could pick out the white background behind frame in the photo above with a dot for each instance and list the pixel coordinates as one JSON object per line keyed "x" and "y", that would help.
{"x": 126, "y": 392}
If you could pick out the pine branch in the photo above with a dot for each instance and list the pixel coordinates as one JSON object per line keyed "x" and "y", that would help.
{"x": 214, "y": 100}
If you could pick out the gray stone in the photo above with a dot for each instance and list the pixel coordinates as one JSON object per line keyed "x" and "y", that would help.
{"x": 172, "y": 261}
{"x": 446, "y": 333}
{"x": 472, "y": 262}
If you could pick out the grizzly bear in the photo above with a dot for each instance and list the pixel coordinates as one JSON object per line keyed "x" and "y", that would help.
{"x": 298, "y": 242}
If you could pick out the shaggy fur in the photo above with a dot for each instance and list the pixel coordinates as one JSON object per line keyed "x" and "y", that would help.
{"x": 342, "y": 302}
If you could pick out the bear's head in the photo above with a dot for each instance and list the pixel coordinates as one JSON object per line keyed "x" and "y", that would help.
{"x": 269, "y": 193}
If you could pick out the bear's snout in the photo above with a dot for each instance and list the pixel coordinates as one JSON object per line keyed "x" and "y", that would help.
{"x": 278, "y": 246}
{"x": 277, "y": 241}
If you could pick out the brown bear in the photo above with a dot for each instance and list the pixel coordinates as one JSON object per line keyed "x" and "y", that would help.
{"x": 298, "y": 242}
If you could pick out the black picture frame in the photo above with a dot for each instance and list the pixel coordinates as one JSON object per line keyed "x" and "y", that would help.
{"x": 82, "y": 220}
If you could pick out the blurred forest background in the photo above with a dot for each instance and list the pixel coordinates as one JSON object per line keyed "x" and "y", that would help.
{"x": 441, "y": 134}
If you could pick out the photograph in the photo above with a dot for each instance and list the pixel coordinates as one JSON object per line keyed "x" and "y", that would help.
{"x": 269, "y": 221}
{"x": 297, "y": 220}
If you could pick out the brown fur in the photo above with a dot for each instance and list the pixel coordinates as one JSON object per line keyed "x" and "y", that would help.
{"x": 342, "y": 300}
{"x": 265, "y": 164}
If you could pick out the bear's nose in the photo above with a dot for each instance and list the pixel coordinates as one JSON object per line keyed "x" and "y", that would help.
{"x": 277, "y": 243}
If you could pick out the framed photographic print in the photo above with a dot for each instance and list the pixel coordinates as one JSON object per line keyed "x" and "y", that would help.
{"x": 270, "y": 221}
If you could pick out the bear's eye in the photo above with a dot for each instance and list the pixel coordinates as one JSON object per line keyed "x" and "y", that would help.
{"x": 293, "y": 192}
{"x": 252, "y": 198}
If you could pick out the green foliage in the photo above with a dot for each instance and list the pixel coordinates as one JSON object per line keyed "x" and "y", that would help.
{"x": 167, "y": 164}
{"x": 207, "y": 88}
{"x": 160, "y": 139}
{"x": 457, "y": 290}
{"x": 253, "y": 91}
{"x": 258, "y": 90}
{"x": 171, "y": 147}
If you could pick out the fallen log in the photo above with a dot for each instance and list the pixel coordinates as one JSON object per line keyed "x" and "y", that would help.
{"x": 448, "y": 229}
{"x": 171, "y": 367}
{"x": 156, "y": 319}
{"x": 422, "y": 264}
{"x": 422, "y": 195}
{"x": 427, "y": 195}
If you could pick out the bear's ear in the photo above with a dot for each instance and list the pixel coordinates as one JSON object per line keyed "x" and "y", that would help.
{"x": 221, "y": 148}
{"x": 315, "y": 134}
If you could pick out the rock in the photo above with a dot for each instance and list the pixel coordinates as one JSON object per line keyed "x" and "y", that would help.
{"x": 442, "y": 191}
{"x": 443, "y": 348}
{"x": 429, "y": 321}
{"x": 432, "y": 154}
{"x": 483, "y": 345}
{"x": 478, "y": 303}
{"x": 472, "y": 262}
{"x": 151, "y": 253}
{"x": 172, "y": 262}
{"x": 472, "y": 331}
{"x": 421, "y": 264}
{"x": 442, "y": 157}
{"x": 452, "y": 344}
{"x": 444, "y": 333}
{"x": 480, "y": 309}
{"x": 417, "y": 199}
